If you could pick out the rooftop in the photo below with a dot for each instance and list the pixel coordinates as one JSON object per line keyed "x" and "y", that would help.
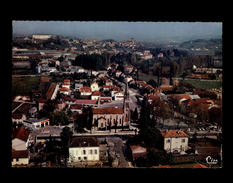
{"x": 21, "y": 133}
{"x": 173, "y": 133}
{"x": 20, "y": 154}
{"x": 84, "y": 142}
{"x": 107, "y": 110}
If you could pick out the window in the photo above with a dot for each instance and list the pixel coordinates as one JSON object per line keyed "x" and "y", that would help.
{"x": 102, "y": 125}
{"x": 79, "y": 158}
{"x": 90, "y": 151}
{"x": 95, "y": 151}
{"x": 183, "y": 140}
{"x": 84, "y": 151}
{"x": 85, "y": 158}
{"x": 168, "y": 141}
{"x": 17, "y": 159}
{"x": 120, "y": 120}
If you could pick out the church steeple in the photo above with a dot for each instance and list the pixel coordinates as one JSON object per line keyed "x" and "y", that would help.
{"x": 126, "y": 105}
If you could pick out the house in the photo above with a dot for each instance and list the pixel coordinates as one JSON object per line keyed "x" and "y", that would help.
{"x": 138, "y": 151}
{"x": 94, "y": 86}
{"x": 108, "y": 117}
{"x": 76, "y": 108}
{"x": 18, "y": 118}
{"x": 52, "y": 91}
{"x": 85, "y": 91}
{"x": 86, "y": 102}
{"x": 59, "y": 105}
{"x": 108, "y": 83}
{"x": 68, "y": 100}
{"x": 164, "y": 81}
{"x": 20, "y": 139}
{"x": 81, "y": 70}
{"x": 118, "y": 73}
{"x": 36, "y": 123}
{"x": 66, "y": 84}
{"x": 128, "y": 79}
{"x": 64, "y": 91}
{"x": 160, "y": 55}
{"x": 180, "y": 97}
{"x": 128, "y": 68}
{"x": 20, "y": 157}
{"x": 77, "y": 86}
{"x": 104, "y": 99}
{"x": 95, "y": 95}
{"x": 33, "y": 112}
{"x": 84, "y": 149}
{"x": 175, "y": 140}
{"x": 41, "y": 103}
{"x": 152, "y": 97}
{"x": 111, "y": 88}
{"x": 119, "y": 95}
{"x": 165, "y": 88}
{"x": 22, "y": 98}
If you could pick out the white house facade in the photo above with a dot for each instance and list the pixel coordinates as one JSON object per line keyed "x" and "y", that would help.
{"x": 175, "y": 141}
{"x": 84, "y": 149}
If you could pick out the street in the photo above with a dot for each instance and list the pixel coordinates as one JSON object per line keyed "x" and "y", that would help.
{"x": 117, "y": 146}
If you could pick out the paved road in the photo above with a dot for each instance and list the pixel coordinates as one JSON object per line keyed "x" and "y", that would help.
{"x": 118, "y": 147}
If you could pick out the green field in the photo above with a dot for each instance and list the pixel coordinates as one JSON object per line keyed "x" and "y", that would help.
{"x": 205, "y": 84}
{"x": 146, "y": 77}
{"x": 23, "y": 85}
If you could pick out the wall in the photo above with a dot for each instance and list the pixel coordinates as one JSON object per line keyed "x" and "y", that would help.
{"x": 175, "y": 144}
{"x": 109, "y": 117}
{"x": 18, "y": 144}
{"x": 75, "y": 152}
{"x": 23, "y": 161}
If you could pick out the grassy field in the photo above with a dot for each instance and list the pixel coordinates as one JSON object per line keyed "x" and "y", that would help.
{"x": 205, "y": 84}
{"x": 24, "y": 85}
{"x": 146, "y": 77}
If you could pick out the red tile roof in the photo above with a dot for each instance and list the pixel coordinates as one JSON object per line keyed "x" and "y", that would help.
{"x": 84, "y": 142}
{"x": 17, "y": 116}
{"x": 173, "y": 133}
{"x": 50, "y": 91}
{"x": 21, "y": 133}
{"x": 42, "y": 100}
{"x": 138, "y": 151}
{"x": 84, "y": 101}
{"x": 64, "y": 89}
{"x": 114, "y": 88}
{"x": 198, "y": 165}
{"x": 68, "y": 98}
{"x": 180, "y": 96}
{"x": 166, "y": 87}
{"x": 96, "y": 93}
{"x": 67, "y": 80}
{"x": 44, "y": 79}
{"x": 76, "y": 106}
{"x": 162, "y": 166}
{"x": 20, "y": 154}
{"x": 85, "y": 89}
{"x": 107, "y": 110}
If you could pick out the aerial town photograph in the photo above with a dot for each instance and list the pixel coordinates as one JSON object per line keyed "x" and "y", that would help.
{"x": 116, "y": 94}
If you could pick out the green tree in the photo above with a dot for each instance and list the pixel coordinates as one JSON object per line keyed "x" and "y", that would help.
{"x": 66, "y": 136}
{"x": 135, "y": 114}
{"x": 59, "y": 118}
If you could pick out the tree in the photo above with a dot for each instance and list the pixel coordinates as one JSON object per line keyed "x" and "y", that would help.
{"x": 66, "y": 136}
{"x": 59, "y": 118}
{"x": 134, "y": 115}
{"x": 153, "y": 83}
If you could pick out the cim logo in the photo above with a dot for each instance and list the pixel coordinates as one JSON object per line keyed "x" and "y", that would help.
{"x": 211, "y": 161}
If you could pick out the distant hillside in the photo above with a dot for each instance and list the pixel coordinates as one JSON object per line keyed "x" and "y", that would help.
{"x": 202, "y": 43}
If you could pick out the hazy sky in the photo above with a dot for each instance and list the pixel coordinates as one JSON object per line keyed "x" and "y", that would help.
{"x": 140, "y": 31}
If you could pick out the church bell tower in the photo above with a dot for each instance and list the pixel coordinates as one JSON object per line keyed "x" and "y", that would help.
{"x": 126, "y": 106}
